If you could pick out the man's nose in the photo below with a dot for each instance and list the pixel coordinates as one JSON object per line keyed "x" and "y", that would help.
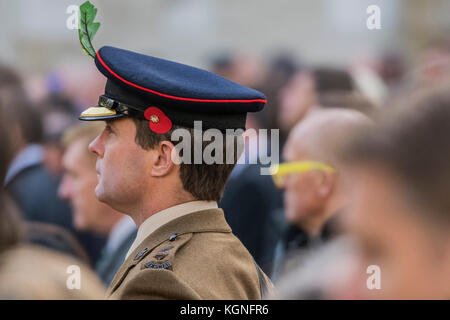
{"x": 96, "y": 146}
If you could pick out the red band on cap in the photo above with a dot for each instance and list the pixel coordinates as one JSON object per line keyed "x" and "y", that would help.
{"x": 169, "y": 96}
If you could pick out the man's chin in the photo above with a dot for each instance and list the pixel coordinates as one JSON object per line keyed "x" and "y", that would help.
{"x": 100, "y": 194}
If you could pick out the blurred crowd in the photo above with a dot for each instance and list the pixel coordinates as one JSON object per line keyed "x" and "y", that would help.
{"x": 362, "y": 180}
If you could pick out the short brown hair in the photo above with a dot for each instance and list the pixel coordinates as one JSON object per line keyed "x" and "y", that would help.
{"x": 413, "y": 144}
{"x": 203, "y": 181}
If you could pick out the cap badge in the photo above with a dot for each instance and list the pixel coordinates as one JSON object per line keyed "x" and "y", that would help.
{"x": 158, "y": 121}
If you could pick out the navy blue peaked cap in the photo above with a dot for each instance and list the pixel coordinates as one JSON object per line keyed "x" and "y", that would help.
{"x": 136, "y": 82}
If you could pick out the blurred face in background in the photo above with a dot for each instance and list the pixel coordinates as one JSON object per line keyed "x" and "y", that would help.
{"x": 296, "y": 99}
{"x": 305, "y": 193}
{"x": 78, "y": 185}
{"x": 413, "y": 254}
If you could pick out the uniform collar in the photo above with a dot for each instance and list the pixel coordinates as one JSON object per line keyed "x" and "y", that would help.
{"x": 212, "y": 220}
{"x": 163, "y": 217}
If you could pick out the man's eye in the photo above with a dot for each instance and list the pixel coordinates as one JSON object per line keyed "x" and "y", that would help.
{"x": 108, "y": 129}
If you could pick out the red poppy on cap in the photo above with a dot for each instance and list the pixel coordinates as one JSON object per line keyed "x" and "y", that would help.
{"x": 157, "y": 121}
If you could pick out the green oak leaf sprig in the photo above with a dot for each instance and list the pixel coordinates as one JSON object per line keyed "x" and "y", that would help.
{"x": 87, "y": 28}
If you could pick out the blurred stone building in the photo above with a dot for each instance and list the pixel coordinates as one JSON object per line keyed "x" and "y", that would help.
{"x": 34, "y": 36}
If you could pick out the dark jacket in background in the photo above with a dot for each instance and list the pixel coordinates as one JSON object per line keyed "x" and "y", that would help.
{"x": 294, "y": 243}
{"x": 249, "y": 201}
{"x": 35, "y": 192}
{"x": 111, "y": 260}
{"x": 57, "y": 238}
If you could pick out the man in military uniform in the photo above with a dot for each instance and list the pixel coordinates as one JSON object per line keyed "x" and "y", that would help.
{"x": 184, "y": 248}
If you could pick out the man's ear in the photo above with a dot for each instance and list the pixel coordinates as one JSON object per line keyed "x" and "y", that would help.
{"x": 327, "y": 184}
{"x": 162, "y": 160}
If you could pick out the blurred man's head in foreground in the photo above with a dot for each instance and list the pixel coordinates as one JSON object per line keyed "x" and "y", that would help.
{"x": 400, "y": 204}
{"x": 80, "y": 179}
{"x": 313, "y": 190}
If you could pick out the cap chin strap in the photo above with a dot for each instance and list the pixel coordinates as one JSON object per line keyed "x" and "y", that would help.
{"x": 119, "y": 107}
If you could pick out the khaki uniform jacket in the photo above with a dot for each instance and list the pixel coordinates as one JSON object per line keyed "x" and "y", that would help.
{"x": 194, "y": 256}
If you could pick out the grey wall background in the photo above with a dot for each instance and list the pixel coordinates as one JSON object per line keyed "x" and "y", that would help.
{"x": 34, "y": 37}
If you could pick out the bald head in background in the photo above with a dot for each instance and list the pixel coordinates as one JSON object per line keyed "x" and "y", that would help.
{"x": 313, "y": 197}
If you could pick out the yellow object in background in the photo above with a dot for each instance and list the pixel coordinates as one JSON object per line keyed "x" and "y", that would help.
{"x": 280, "y": 171}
